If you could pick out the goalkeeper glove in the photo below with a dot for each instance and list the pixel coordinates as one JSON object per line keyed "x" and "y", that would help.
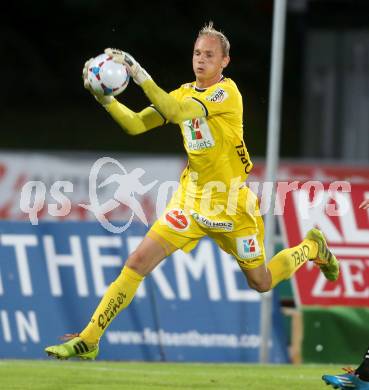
{"x": 138, "y": 73}
{"x": 102, "y": 99}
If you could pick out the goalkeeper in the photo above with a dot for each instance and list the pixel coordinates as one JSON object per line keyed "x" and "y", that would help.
{"x": 212, "y": 199}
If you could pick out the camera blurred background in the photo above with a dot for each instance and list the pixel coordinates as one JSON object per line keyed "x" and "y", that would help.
{"x": 325, "y": 89}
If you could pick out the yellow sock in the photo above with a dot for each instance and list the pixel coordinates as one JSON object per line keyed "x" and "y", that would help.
{"x": 285, "y": 263}
{"x": 117, "y": 297}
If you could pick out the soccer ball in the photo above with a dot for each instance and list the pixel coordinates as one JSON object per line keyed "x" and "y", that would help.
{"x": 106, "y": 77}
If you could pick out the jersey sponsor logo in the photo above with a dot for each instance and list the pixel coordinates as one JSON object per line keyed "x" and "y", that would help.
{"x": 241, "y": 152}
{"x": 197, "y": 134}
{"x": 218, "y": 96}
{"x": 248, "y": 247}
{"x": 204, "y": 221}
{"x": 177, "y": 220}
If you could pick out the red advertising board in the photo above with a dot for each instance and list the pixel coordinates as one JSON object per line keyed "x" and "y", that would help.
{"x": 335, "y": 211}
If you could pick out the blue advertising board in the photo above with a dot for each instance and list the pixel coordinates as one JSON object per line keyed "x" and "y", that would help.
{"x": 193, "y": 307}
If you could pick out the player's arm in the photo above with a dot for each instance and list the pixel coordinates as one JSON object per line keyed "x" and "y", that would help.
{"x": 134, "y": 123}
{"x": 131, "y": 122}
{"x": 173, "y": 110}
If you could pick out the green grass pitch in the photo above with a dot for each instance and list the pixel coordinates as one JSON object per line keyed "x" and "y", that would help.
{"x": 78, "y": 375}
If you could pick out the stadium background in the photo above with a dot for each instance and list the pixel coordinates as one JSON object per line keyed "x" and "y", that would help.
{"x": 45, "y": 49}
{"x": 45, "y": 108}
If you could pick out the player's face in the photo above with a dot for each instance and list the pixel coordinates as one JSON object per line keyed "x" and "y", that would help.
{"x": 208, "y": 61}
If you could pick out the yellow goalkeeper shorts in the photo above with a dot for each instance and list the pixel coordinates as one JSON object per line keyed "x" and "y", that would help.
{"x": 241, "y": 235}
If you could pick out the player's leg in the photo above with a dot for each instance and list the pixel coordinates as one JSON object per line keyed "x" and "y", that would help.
{"x": 247, "y": 246}
{"x": 118, "y": 296}
{"x": 363, "y": 369}
{"x": 258, "y": 278}
{"x": 348, "y": 380}
{"x": 282, "y": 266}
{"x": 354, "y": 379}
{"x": 286, "y": 262}
{"x": 120, "y": 293}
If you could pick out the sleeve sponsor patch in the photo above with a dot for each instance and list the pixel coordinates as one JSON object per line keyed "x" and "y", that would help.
{"x": 218, "y": 96}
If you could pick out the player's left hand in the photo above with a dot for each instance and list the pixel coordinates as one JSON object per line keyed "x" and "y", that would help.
{"x": 138, "y": 73}
{"x": 104, "y": 100}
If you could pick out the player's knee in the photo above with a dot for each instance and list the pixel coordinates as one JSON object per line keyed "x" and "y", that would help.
{"x": 136, "y": 261}
{"x": 259, "y": 285}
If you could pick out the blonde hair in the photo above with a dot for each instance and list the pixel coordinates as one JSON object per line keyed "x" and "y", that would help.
{"x": 209, "y": 29}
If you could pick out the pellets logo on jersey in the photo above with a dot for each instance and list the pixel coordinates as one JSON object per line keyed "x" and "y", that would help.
{"x": 195, "y": 129}
{"x": 197, "y": 134}
{"x": 218, "y": 96}
{"x": 177, "y": 220}
{"x": 248, "y": 247}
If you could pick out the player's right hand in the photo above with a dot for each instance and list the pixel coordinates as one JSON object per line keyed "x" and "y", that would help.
{"x": 86, "y": 84}
{"x": 104, "y": 100}
{"x": 364, "y": 205}
{"x": 137, "y": 72}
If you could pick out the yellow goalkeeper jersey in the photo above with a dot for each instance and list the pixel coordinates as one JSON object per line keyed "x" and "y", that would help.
{"x": 214, "y": 143}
